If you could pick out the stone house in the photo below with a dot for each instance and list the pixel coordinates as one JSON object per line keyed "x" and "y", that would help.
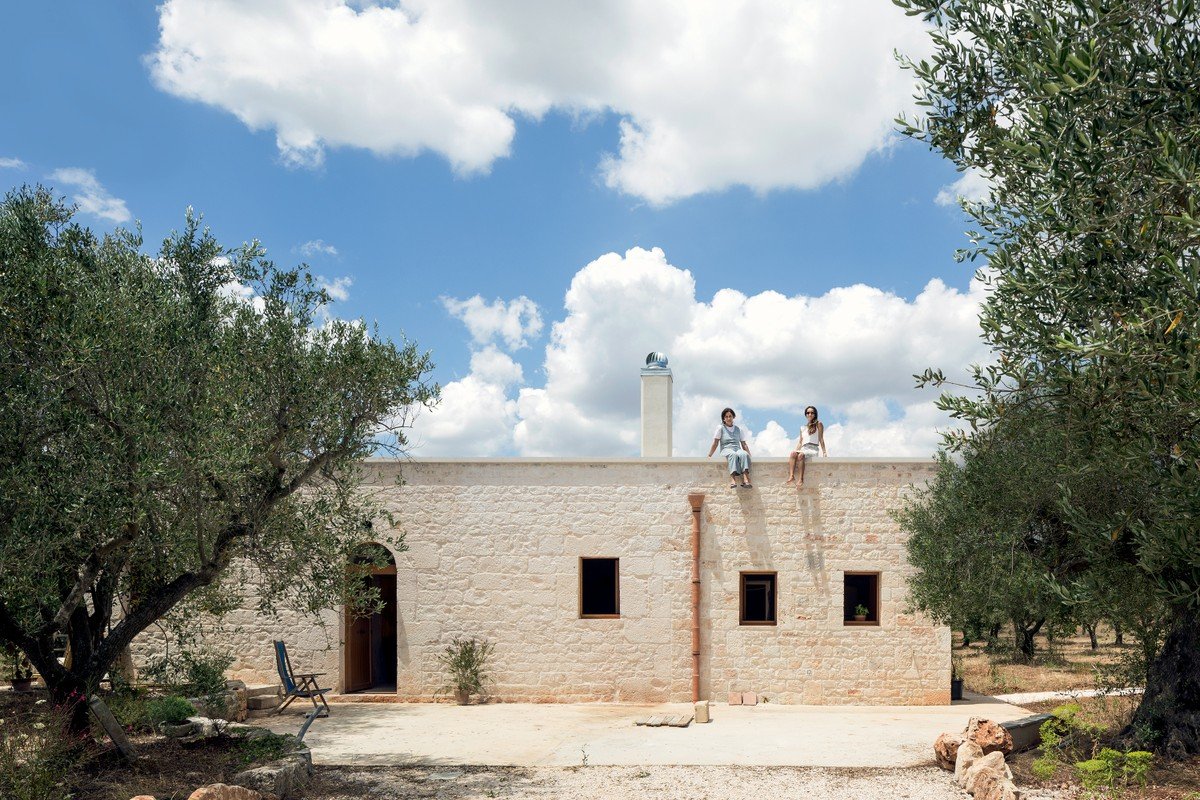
{"x": 634, "y": 579}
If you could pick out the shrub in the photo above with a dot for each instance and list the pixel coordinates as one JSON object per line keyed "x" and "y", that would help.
{"x": 261, "y": 749}
{"x": 172, "y": 710}
{"x": 129, "y": 707}
{"x": 196, "y": 672}
{"x": 36, "y": 753}
{"x": 1136, "y": 767}
{"x": 1044, "y": 767}
{"x": 1094, "y": 773}
{"x": 466, "y": 663}
{"x": 1111, "y": 769}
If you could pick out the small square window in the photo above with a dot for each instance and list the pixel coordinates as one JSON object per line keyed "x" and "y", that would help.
{"x": 599, "y": 587}
{"x": 758, "y": 598}
{"x": 860, "y": 603}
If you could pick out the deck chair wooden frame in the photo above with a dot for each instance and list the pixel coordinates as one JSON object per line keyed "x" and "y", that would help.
{"x": 299, "y": 684}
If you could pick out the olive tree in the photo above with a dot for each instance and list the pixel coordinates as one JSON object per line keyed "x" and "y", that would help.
{"x": 1084, "y": 117}
{"x": 174, "y": 428}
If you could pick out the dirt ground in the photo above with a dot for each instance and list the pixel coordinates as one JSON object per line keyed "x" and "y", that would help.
{"x": 164, "y": 767}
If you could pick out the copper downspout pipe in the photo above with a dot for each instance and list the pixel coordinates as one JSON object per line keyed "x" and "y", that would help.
{"x": 696, "y": 501}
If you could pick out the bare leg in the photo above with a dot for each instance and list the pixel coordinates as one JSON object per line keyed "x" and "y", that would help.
{"x": 746, "y": 478}
{"x": 802, "y": 459}
{"x": 792, "y": 467}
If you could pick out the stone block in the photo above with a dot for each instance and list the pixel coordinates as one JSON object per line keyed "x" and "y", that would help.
{"x": 263, "y": 701}
{"x": 735, "y": 698}
{"x": 1026, "y": 732}
{"x": 284, "y": 778}
{"x": 749, "y": 698}
{"x": 221, "y": 791}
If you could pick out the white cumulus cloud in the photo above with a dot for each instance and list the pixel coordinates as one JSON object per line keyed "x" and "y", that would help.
{"x": 514, "y": 321}
{"x": 89, "y": 195}
{"x": 973, "y": 187}
{"x": 851, "y": 352}
{"x": 317, "y": 247}
{"x": 768, "y": 94}
{"x": 476, "y": 415}
{"x": 338, "y": 289}
{"x": 12, "y": 163}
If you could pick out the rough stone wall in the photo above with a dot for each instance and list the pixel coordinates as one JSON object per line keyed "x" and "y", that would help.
{"x": 494, "y": 548}
{"x": 314, "y": 644}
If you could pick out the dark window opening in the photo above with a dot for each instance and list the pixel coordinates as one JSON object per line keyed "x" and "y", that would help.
{"x": 860, "y": 605}
{"x": 599, "y": 587}
{"x": 758, "y": 598}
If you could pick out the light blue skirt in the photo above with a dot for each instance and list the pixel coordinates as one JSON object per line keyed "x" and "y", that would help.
{"x": 739, "y": 462}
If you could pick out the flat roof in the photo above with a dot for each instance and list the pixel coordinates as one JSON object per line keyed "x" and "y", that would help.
{"x": 634, "y": 460}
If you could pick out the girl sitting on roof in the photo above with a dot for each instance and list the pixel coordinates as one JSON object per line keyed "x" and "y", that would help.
{"x": 732, "y": 441}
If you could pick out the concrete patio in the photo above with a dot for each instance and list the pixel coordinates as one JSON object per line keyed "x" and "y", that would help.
{"x": 560, "y": 734}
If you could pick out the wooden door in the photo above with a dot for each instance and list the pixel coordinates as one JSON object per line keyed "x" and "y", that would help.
{"x": 358, "y": 653}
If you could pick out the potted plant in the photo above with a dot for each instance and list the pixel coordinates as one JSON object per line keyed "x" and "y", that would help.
{"x": 466, "y": 663}
{"x": 169, "y": 715}
{"x": 861, "y": 612}
{"x": 17, "y": 669}
{"x": 956, "y": 680}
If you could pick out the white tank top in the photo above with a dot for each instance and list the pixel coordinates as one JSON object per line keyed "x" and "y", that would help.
{"x": 810, "y": 441}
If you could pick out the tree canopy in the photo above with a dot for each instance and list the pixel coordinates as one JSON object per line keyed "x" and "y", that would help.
{"x": 1084, "y": 116}
{"x": 172, "y": 427}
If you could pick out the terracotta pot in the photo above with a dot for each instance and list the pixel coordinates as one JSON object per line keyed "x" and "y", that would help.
{"x": 462, "y": 696}
{"x": 22, "y": 684}
{"x": 860, "y": 617}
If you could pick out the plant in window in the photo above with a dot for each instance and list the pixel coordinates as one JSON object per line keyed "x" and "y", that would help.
{"x": 466, "y": 663}
{"x": 861, "y": 612}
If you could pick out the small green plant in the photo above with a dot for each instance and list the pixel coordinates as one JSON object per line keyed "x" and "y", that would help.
{"x": 1094, "y": 773}
{"x": 261, "y": 749}
{"x": 128, "y": 705}
{"x": 861, "y": 611}
{"x": 1044, "y": 767}
{"x": 171, "y": 710}
{"x": 584, "y": 756}
{"x": 1113, "y": 770}
{"x": 1135, "y": 768}
{"x": 1060, "y": 738}
{"x": 956, "y": 667}
{"x": 466, "y": 664}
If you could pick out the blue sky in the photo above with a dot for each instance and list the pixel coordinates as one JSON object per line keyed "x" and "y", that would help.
{"x": 418, "y": 156}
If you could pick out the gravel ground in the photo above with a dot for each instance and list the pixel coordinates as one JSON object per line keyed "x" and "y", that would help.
{"x": 605, "y": 783}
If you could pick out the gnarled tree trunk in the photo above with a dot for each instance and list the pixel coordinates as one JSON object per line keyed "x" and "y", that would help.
{"x": 1169, "y": 715}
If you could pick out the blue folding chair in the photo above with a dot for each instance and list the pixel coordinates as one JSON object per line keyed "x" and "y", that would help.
{"x": 298, "y": 684}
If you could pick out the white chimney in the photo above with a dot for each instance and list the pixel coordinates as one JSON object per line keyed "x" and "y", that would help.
{"x": 656, "y": 407}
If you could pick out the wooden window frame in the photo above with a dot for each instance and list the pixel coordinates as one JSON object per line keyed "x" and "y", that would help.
{"x": 866, "y": 623}
{"x": 742, "y": 598}
{"x": 617, "y": 569}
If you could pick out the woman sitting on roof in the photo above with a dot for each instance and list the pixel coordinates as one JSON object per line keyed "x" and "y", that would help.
{"x": 812, "y": 436}
{"x": 732, "y": 441}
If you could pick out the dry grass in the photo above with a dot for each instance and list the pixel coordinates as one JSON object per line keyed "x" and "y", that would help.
{"x": 1060, "y": 665}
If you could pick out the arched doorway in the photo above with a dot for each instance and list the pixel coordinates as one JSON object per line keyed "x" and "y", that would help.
{"x": 369, "y": 648}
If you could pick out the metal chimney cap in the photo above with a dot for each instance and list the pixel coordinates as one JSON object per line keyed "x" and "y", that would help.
{"x": 656, "y": 361}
